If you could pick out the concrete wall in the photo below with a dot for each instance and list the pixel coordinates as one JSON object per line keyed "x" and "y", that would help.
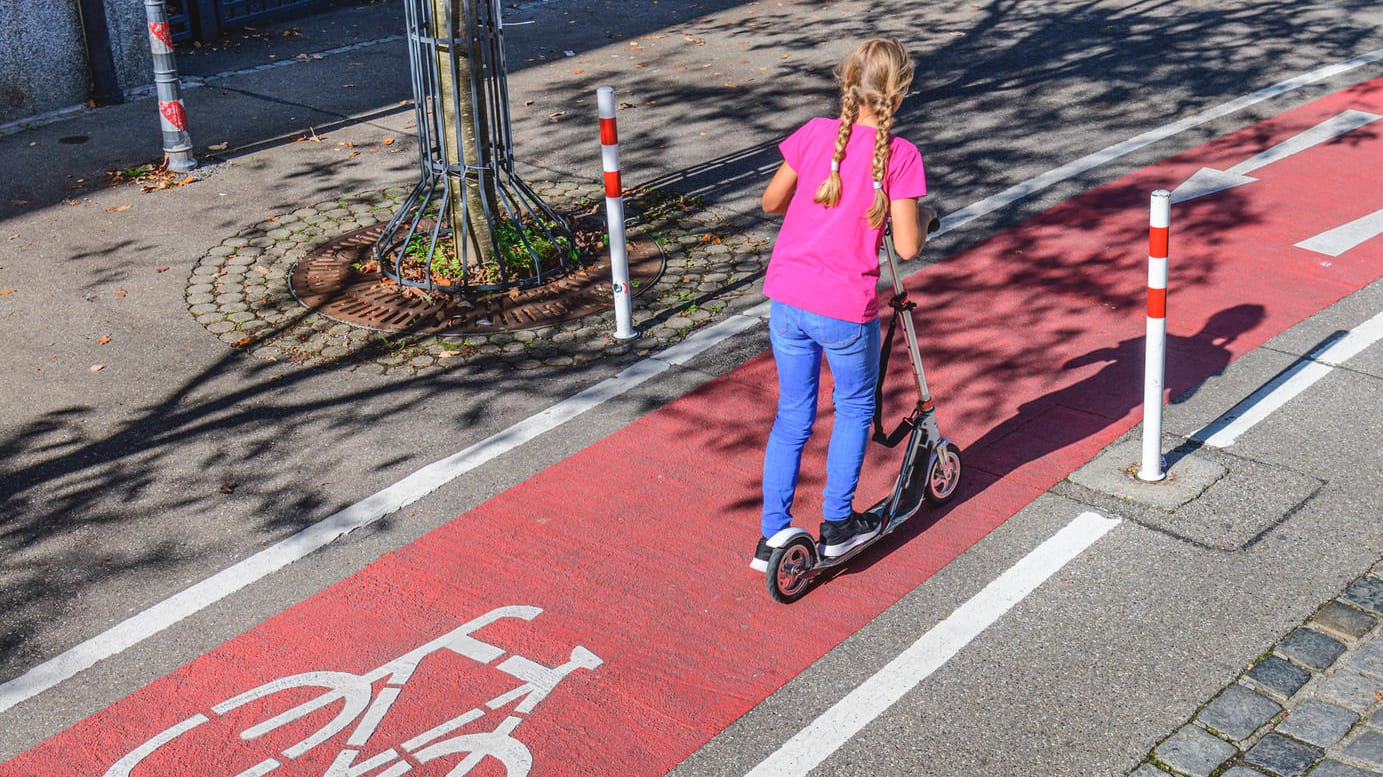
{"x": 42, "y": 57}
{"x": 43, "y": 65}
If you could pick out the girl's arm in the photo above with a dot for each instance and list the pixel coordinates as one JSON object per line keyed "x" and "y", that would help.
{"x": 780, "y": 190}
{"x": 907, "y": 237}
{"x": 909, "y": 226}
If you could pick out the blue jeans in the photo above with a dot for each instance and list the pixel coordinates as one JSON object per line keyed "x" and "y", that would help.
{"x": 852, "y": 350}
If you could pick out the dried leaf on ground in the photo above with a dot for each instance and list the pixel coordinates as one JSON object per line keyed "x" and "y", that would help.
{"x": 117, "y": 208}
{"x": 3, "y": 292}
{"x": 162, "y": 269}
{"x": 96, "y": 367}
{"x": 150, "y": 177}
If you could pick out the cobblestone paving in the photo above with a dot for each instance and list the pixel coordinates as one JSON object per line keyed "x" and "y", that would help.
{"x": 1311, "y": 706}
{"x": 240, "y": 290}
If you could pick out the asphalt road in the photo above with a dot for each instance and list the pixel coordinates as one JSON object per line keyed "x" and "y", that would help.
{"x": 112, "y": 497}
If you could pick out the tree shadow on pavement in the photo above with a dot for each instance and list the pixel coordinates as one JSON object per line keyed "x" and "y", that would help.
{"x": 149, "y": 492}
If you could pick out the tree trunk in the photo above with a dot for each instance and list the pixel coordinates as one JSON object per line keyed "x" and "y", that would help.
{"x": 461, "y": 81}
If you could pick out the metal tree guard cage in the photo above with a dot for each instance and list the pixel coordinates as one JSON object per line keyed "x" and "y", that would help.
{"x": 471, "y": 224}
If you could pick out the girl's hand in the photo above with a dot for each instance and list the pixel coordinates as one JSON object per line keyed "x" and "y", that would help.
{"x": 931, "y": 220}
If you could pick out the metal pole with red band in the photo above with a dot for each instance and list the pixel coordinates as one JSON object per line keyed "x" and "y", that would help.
{"x": 1155, "y": 353}
{"x": 177, "y": 143}
{"x": 614, "y": 214}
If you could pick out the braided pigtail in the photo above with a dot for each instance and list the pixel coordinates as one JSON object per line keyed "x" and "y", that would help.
{"x": 828, "y": 193}
{"x": 874, "y": 78}
{"x": 883, "y": 109}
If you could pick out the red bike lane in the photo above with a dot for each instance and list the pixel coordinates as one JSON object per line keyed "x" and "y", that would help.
{"x": 601, "y": 616}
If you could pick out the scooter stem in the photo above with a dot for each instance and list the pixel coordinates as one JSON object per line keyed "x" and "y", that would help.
{"x": 909, "y": 332}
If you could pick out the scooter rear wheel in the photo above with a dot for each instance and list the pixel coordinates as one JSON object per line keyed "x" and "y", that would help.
{"x": 788, "y": 568}
{"x": 943, "y": 476}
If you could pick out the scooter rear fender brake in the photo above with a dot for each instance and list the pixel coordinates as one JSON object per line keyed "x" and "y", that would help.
{"x": 784, "y": 536}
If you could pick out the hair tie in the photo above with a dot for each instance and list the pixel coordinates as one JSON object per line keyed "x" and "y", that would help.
{"x": 878, "y": 184}
{"x": 835, "y": 167}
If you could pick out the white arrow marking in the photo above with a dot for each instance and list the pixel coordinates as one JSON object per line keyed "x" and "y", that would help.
{"x": 1208, "y": 180}
{"x": 1342, "y": 238}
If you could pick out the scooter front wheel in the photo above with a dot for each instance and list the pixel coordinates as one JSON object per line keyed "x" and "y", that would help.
{"x": 943, "y": 476}
{"x": 788, "y": 569}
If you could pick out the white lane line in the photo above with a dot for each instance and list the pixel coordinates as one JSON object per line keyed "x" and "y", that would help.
{"x": 1346, "y": 236}
{"x": 1228, "y": 428}
{"x": 823, "y": 736}
{"x": 1091, "y": 161}
{"x": 164, "y": 614}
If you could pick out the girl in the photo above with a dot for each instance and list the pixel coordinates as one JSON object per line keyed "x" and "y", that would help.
{"x": 841, "y": 180}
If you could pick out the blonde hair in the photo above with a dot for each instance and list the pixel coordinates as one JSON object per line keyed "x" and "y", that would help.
{"x": 876, "y": 74}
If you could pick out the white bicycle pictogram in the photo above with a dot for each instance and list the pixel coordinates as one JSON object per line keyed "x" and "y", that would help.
{"x": 363, "y": 706}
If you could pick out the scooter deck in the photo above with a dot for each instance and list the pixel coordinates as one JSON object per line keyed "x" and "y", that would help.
{"x": 823, "y": 563}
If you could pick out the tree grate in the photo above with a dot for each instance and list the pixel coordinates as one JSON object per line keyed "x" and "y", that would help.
{"x": 329, "y": 281}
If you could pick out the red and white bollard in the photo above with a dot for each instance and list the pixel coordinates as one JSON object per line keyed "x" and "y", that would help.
{"x": 177, "y": 143}
{"x": 614, "y": 214}
{"x": 1155, "y": 354}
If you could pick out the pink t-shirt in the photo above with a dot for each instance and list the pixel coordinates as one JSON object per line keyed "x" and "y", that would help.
{"x": 826, "y": 260}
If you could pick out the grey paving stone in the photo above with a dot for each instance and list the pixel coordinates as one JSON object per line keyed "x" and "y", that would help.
{"x": 1279, "y": 676}
{"x": 1369, "y": 659}
{"x": 1238, "y": 712}
{"x": 1350, "y": 689}
{"x": 1242, "y": 771}
{"x": 1317, "y": 723}
{"x": 1366, "y": 593}
{"x": 1148, "y": 770}
{"x": 1329, "y": 768}
{"x": 1194, "y": 751}
{"x": 1311, "y": 648}
{"x": 1367, "y": 748}
{"x": 1283, "y": 756}
{"x": 1343, "y": 619}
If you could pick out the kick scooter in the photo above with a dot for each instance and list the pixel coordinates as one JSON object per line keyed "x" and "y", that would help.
{"x": 930, "y": 472}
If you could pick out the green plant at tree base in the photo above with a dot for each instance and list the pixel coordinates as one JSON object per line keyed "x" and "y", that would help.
{"x": 515, "y": 260}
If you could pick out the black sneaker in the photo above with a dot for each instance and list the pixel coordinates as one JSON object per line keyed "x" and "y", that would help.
{"x": 761, "y": 554}
{"x": 837, "y": 537}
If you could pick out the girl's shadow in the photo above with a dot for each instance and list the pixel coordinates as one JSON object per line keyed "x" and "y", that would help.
{"x": 1054, "y": 421}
